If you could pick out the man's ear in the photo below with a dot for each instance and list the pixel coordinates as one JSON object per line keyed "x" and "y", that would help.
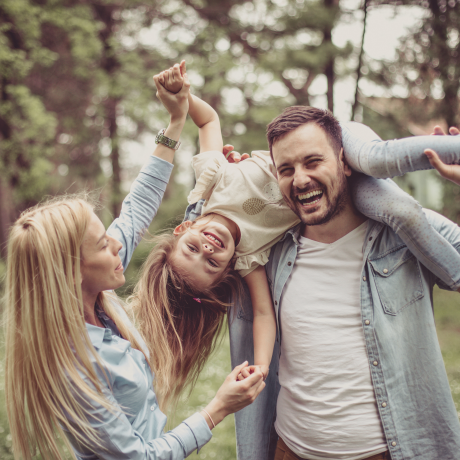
{"x": 182, "y": 227}
{"x": 346, "y": 168}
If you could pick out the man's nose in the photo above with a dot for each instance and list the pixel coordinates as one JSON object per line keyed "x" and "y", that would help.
{"x": 301, "y": 178}
{"x": 207, "y": 247}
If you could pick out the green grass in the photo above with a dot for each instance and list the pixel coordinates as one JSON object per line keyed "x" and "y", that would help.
{"x": 222, "y": 445}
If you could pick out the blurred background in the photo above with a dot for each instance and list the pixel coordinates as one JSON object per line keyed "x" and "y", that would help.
{"x": 78, "y": 107}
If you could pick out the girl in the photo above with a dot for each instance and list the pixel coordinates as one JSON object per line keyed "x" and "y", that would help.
{"x": 76, "y": 368}
{"x": 244, "y": 214}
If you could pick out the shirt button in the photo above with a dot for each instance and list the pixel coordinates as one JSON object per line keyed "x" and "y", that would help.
{"x": 375, "y": 363}
{"x": 289, "y": 264}
{"x": 393, "y": 443}
{"x": 384, "y": 404}
{"x": 276, "y": 302}
{"x": 385, "y": 270}
{"x": 364, "y": 278}
{"x": 367, "y": 322}
{"x": 152, "y": 408}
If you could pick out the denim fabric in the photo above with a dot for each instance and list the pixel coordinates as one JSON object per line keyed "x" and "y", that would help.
{"x": 410, "y": 383}
{"x": 135, "y": 429}
{"x": 384, "y": 201}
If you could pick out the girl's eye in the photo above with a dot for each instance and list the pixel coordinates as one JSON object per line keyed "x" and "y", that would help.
{"x": 192, "y": 248}
{"x": 212, "y": 263}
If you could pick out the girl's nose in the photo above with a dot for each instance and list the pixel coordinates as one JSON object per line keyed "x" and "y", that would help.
{"x": 208, "y": 247}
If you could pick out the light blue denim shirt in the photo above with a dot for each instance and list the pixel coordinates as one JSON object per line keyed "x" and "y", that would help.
{"x": 408, "y": 374}
{"x": 135, "y": 429}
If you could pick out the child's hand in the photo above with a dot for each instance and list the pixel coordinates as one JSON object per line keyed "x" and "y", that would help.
{"x": 175, "y": 104}
{"x": 173, "y": 78}
{"x": 247, "y": 371}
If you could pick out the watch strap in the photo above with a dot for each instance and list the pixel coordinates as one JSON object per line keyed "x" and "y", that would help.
{"x": 162, "y": 139}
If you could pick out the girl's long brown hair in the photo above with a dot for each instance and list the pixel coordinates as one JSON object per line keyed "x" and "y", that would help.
{"x": 180, "y": 331}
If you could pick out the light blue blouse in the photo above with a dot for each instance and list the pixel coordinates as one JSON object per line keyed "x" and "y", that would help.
{"x": 135, "y": 429}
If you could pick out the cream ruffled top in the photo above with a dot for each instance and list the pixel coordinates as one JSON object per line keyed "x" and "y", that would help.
{"x": 248, "y": 194}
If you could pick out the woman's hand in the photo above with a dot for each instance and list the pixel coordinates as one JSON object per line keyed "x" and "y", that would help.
{"x": 234, "y": 395}
{"x": 175, "y": 104}
{"x": 449, "y": 172}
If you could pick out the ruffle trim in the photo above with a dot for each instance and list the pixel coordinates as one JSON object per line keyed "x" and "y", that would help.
{"x": 246, "y": 264}
{"x": 205, "y": 181}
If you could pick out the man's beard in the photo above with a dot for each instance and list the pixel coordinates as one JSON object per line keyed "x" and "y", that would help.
{"x": 334, "y": 205}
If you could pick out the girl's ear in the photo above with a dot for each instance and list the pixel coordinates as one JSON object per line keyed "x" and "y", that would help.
{"x": 182, "y": 227}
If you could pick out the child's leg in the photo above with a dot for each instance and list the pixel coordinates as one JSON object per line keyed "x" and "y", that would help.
{"x": 384, "y": 201}
{"x": 366, "y": 152}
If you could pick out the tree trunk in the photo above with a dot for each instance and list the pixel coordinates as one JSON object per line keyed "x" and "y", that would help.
{"x": 360, "y": 62}
{"x": 329, "y": 68}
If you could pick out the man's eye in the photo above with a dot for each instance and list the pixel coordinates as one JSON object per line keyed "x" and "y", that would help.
{"x": 192, "y": 248}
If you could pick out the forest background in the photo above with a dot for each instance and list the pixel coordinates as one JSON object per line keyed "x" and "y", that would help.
{"x": 78, "y": 105}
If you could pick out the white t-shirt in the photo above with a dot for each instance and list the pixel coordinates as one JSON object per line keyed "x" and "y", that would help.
{"x": 326, "y": 407}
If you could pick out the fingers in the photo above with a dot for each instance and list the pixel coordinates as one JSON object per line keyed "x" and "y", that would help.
{"x": 244, "y": 156}
{"x": 436, "y": 162}
{"x": 453, "y": 131}
{"x": 183, "y": 70}
{"x": 237, "y": 370}
{"x": 438, "y": 131}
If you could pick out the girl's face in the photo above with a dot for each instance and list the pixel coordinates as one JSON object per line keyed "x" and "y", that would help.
{"x": 101, "y": 267}
{"x": 205, "y": 249}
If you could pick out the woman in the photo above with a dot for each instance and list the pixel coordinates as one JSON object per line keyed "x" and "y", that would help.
{"x": 93, "y": 389}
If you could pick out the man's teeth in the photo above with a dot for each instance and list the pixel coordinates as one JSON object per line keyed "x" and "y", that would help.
{"x": 306, "y": 196}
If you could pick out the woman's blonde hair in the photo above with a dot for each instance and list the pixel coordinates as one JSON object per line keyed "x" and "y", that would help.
{"x": 180, "y": 324}
{"x": 50, "y": 361}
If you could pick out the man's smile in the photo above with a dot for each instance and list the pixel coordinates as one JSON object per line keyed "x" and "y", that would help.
{"x": 310, "y": 198}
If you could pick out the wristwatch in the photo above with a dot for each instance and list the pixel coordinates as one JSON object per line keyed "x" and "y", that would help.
{"x": 162, "y": 139}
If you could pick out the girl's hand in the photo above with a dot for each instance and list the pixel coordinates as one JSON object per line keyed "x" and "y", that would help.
{"x": 173, "y": 78}
{"x": 449, "y": 172}
{"x": 175, "y": 104}
{"x": 247, "y": 371}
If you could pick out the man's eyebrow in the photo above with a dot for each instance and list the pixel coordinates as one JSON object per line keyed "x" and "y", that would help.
{"x": 100, "y": 239}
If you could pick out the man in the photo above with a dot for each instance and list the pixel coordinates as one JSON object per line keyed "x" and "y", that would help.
{"x": 360, "y": 372}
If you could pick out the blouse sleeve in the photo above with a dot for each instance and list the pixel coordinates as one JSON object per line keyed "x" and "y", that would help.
{"x": 118, "y": 440}
{"x": 205, "y": 165}
{"x": 140, "y": 206}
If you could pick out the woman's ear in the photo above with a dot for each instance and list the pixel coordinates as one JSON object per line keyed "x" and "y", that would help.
{"x": 182, "y": 227}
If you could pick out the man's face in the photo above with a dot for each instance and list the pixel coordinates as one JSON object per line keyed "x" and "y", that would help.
{"x": 311, "y": 177}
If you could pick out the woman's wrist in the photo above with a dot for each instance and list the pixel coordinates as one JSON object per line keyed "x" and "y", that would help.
{"x": 214, "y": 413}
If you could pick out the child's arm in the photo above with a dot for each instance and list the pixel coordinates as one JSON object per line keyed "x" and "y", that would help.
{"x": 366, "y": 152}
{"x": 202, "y": 114}
{"x": 264, "y": 325}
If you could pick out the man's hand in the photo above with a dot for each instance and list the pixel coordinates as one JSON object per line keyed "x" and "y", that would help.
{"x": 231, "y": 156}
{"x": 449, "y": 172}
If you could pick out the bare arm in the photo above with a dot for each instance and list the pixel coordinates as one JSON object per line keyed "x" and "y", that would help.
{"x": 207, "y": 120}
{"x": 264, "y": 325}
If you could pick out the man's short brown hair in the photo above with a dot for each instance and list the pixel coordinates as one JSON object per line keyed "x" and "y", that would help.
{"x": 299, "y": 115}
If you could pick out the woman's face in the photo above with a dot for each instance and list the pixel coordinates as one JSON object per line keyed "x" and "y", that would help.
{"x": 101, "y": 267}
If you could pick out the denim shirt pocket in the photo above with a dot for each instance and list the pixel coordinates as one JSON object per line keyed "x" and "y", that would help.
{"x": 398, "y": 279}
